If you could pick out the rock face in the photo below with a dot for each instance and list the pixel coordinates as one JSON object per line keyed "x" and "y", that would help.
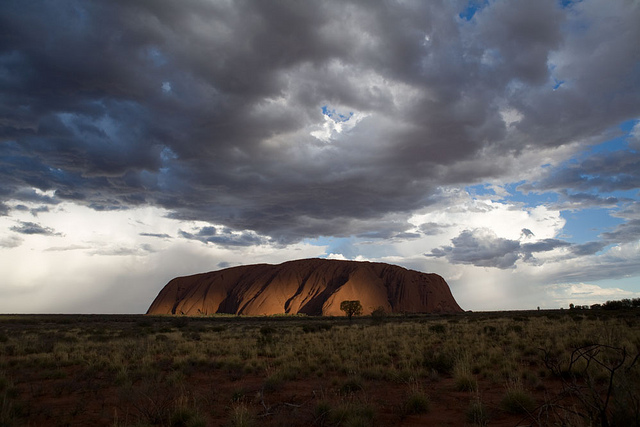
{"x": 310, "y": 286}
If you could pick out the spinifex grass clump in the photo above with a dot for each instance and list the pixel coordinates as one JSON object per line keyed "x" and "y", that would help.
{"x": 417, "y": 402}
{"x": 464, "y": 379}
{"x": 477, "y": 413}
{"x": 517, "y": 400}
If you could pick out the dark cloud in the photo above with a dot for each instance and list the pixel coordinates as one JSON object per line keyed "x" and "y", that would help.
{"x": 30, "y": 195}
{"x": 582, "y": 184}
{"x": 629, "y": 211}
{"x": 33, "y": 228}
{"x": 225, "y": 237}
{"x": 207, "y": 108}
{"x": 407, "y": 235}
{"x": 588, "y": 248}
{"x": 543, "y": 245}
{"x": 39, "y": 210}
{"x": 33, "y": 211}
{"x": 605, "y": 172}
{"x": 624, "y": 233}
{"x": 483, "y": 248}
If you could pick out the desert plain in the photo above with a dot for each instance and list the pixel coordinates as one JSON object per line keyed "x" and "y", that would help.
{"x": 537, "y": 368}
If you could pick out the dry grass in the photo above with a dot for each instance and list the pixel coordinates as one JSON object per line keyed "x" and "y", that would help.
{"x": 137, "y": 370}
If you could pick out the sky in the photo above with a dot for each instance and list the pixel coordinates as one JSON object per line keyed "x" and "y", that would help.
{"x": 496, "y": 143}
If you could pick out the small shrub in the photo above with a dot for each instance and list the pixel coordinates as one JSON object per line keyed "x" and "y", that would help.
{"x": 144, "y": 323}
{"x": 190, "y": 335}
{"x": 242, "y": 417}
{"x": 515, "y": 328}
{"x": 351, "y": 385}
{"x": 477, "y": 413}
{"x": 490, "y": 330}
{"x": 417, "y": 403}
{"x": 517, "y": 400}
{"x": 273, "y": 383}
{"x": 438, "y": 328}
{"x": 439, "y": 362}
{"x": 181, "y": 322}
{"x": 267, "y": 330}
{"x": 321, "y": 412}
{"x": 186, "y": 417}
{"x": 266, "y": 335}
{"x": 309, "y": 328}
{"x": 352, "y": 415}
{"x": 238, "y": 395}
{"x": 316, "y": 327}
{"x": 463, "y": 379}
{"x": 325, "y": 326}
{"x": 378, "y": 315}
{"x": 466, "y": 382}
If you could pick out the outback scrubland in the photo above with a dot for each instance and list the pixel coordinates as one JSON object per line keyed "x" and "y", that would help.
{"x": 569, "y": 368}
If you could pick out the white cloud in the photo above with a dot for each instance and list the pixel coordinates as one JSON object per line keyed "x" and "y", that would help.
{"x": 335, "y": 123}
{"x": 585, "y": 294}
{"x": 458, "y": 211}
{"x": 511, "y": 116}
{"x": 103, "y": 265}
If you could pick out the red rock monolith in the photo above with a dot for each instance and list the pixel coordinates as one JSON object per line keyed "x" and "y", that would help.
{"x": 310, "y": 286}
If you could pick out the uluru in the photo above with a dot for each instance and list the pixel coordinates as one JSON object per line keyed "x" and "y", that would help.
{"x": 313, "y": 287}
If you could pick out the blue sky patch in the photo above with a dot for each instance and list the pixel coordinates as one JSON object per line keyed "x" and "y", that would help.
{"x": 335, "y": 115}
{"x": 472, "y": 8}
{"x": 586, "y": 225}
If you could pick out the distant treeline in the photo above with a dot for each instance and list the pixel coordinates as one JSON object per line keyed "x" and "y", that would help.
{"x": 611, "y": 305}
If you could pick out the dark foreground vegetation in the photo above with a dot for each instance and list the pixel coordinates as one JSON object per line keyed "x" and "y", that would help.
{"x": 542, "y": 368}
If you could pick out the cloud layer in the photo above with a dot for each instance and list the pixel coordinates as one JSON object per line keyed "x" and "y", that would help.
{"x": 209, "y": 109}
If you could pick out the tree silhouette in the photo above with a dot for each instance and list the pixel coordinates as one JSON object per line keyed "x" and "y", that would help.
{"x": 351, "y": 308}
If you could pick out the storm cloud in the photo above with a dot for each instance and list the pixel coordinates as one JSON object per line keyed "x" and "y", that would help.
{"x": 289, "y": 120}
{"x": 483, "y": 248}
{"x": 224, "y": 237}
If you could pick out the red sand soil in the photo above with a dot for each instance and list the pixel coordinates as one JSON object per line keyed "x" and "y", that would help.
{"x": 84, "y": 398}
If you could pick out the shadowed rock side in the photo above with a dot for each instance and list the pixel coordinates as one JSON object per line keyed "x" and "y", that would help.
{"x": 310, "y": 286}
